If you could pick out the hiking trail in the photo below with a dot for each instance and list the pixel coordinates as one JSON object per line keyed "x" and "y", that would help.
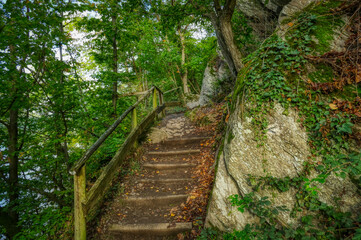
{"x": 141, "y": 209}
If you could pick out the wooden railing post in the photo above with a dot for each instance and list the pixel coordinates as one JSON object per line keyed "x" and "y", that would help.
{"x": 161, "y": 102}
{"x": 155, "y": 102}
{"x": 79, "y": 198}
{"x": 134, "y": 124}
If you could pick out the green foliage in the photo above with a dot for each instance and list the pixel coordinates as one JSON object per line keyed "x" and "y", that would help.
{"x": 208, "y": 234}
{"x": 282, "y": 185}
{"x": 51, "y": 221}
{"x": 323, "y": 73}
{"x": 260, "y": 207}
{"x": 325, "y": 24}
{"x": 58, "y": 95}
{"x": 316, "y": 21}
{"x": 335, "y": 224}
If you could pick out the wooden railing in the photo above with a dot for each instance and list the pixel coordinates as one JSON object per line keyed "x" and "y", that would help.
{"x": 86, "y": 203}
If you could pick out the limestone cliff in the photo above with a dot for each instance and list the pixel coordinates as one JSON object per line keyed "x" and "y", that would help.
{"x": 216, "y": 79}
{"x": 270, "y": 151}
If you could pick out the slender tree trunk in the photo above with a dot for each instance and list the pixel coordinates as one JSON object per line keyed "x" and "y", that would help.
{"x": 184, "y": 74}
{"x": 13, "y": 190}
{"x": 221, "y": 19}
{"x": 63, "y": 147}
{"x": 13, "y": 131}
{"x": 142, "y": 86}
{"x": 223, "y": 28}
{"x": 115, "y": 66}
{"x": 6, "y": 222}
{"x": 226, "y": 28}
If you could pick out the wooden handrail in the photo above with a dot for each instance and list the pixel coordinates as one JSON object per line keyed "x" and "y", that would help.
{"x": 105, "y": 135}
{"x": 84, "y": 203}
{"x": 171, "y": 90}
{"x": 101, "y": 185}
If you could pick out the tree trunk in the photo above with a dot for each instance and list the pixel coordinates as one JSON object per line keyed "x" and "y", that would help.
{"x": 221, "y": 20}
{"x": 184, "y": 73}
{"x": 64, "y": 146}
{"x": 115, "y": 66}
{"x": 226, "y": 28}
{"x": 6, "y": 222}
{"x": 13, "y": 190}
{"x": 13, "y": 132}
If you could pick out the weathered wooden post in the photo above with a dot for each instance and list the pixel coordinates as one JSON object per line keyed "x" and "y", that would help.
{"x": 161, "y": 102}
{"x": 155, "y": 102}
{"x": 79, "y": 198}
{"x": 134, "y": 124}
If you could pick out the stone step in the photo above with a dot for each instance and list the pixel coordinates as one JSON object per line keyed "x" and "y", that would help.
{"x": 184, "y": 141}
{"x": 173, "y": 104}
{"x": 160, "y": 229}
{"x": 155, "y": 201}
{"x": 165, "y": 180}
{"x": 164, "y": 166}
{"x": 179, "y": 152}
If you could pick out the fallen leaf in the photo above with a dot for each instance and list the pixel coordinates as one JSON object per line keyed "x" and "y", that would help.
{"x": 180, "y": 236}
{"x": 333, "y": 106}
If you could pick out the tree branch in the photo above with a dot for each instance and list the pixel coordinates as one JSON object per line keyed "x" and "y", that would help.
{"x": 217, "y": 6}
{"x": 24, "y": 130}
{"x": 230, "y": 6}
{"x": 4, "y": 123}
{"x": 228, "y": 9}
{"x": 9, "y": 107}
{"x": 50, "y": 196}
{"x": 90, "y": 132}
{"x": 203, "y": 11}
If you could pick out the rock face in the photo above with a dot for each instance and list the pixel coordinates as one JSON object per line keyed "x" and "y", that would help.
{"x": 214, "y": 72}
{"x": 286, "y": 146}
{"x": 221, "y": 214}
{"x": 262, "y": 20}
{"x": 264, "y": 16}
{"x": 275, "y": 5}
{"x": 293, "y": 7}
{"x": 284, "y": 154}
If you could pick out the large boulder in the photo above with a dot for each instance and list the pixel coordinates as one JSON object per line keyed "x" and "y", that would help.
{"x": 215, "y": 74}
{"x": 275, "y": 5}
{"x": 293, "y": 7}
{"x": 264, "y": 15}
{"x": 283, "y": 155}
{"x": 262, "y": 20}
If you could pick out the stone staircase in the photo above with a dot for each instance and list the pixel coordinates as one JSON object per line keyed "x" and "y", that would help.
{"x": 142, "y": 209}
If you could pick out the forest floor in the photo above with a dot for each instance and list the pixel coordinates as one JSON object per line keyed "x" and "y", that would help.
{"x": 166, "y": 194}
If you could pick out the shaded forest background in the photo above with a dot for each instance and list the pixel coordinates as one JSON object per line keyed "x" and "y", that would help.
{"x": 68, "y": 69}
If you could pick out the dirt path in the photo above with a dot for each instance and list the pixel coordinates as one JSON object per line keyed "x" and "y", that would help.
{"x": 146, "y": 204}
